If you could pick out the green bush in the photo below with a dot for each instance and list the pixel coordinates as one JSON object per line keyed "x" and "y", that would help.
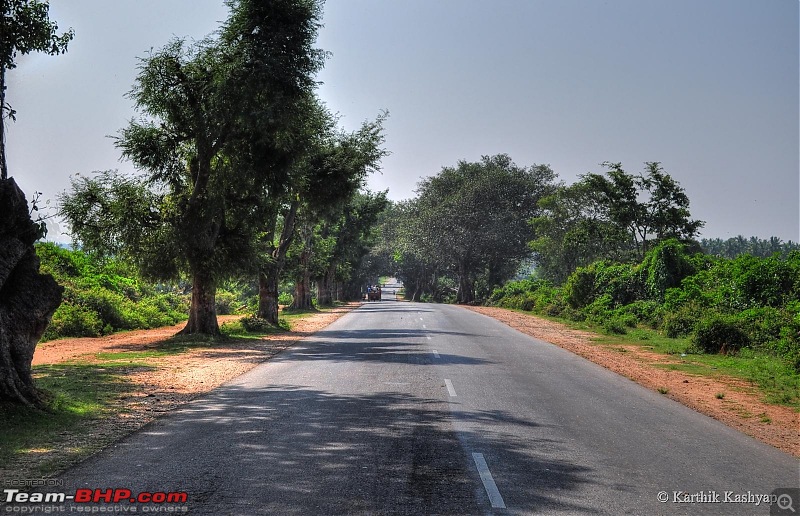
{"x": 765, "y": 281}
{"x": 226, "y": 302}
{"x": 664, "y": 267}
{"x": 102, "y": 296}
{"x": 683, "y": 321}
{"x": 579, "y": 289}
{"x": 71, "y": 320}
{"x": 285, "y": 299}
{"x": 647, "y": 312}
{"x": 615, "y": 325}
{"x": 719, "y": 334}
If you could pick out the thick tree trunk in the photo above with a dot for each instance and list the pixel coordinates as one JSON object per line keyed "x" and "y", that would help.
{"x": 268, "y": 294}
{"x": 203, "y": 309}
{"x": 269, "y": 278}
{"x": 302, "y": 287}
{"x": 326, "y": 287}
{"x": 466, "y": 291}
{"x": 27, "y": 298}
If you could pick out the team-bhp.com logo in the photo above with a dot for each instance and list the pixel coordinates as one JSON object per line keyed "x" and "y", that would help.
{"x": 116, "y": 496}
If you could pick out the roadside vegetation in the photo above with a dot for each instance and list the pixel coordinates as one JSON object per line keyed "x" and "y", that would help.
{"x": 105, "y": 296}
{"x": 615, "y": 252}
{"x": 739, "y": 317}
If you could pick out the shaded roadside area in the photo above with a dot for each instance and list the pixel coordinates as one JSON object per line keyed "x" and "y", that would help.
{"x": 105, "y": 388}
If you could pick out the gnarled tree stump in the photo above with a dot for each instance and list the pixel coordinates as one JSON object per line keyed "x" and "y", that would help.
{"x": 27, "y": 297}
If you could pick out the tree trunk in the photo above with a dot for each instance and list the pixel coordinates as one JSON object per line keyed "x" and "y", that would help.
{"x": 302, "y": 288}
{"x": 203, "y": 310}
{"x": 466, "y": 291}
{"x": 269, "y": 278}
{"x": 27, "y": 298}
{"x": 326, "y": 287}
{"x": 268, "y": 294}
{"x": 3, "y": 164}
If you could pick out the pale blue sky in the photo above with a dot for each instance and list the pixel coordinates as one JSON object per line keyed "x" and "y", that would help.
{"x": 707, "y": 87}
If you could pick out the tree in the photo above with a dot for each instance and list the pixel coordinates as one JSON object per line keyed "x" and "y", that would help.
{"x": 663, "y": 214}
{"x": 204, "y": 105}
{"x": 616, "y": 216}
{"x": 27, "y": 298}
{"x": 474, "y": 219}
{"x": 335, "y": 170}
{"x": 350, "y": 233}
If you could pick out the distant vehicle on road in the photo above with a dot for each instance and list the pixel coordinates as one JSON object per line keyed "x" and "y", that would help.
{"x": 373, "y": 293}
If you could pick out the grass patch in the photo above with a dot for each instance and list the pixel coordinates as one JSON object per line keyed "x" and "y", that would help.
{"x": 77, "y": 393}
{"x": 776, "y": 381}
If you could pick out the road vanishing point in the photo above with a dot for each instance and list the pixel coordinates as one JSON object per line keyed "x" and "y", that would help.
{"x": 416, "y": 408}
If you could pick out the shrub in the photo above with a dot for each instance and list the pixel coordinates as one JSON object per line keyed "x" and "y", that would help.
{"x": 764, "y": 281}
{"x": 718, "y": 334}
{"x": 579, "y": 289}
{"x": 615, "y": 325}
{"x": 226, "y": 302}
{"x": 681, "y": 322}
{"x": 664, "y": 267}
{"x": 253, "y": 324}
{"x": 285, "y": 299}
{"x": 647, "y": 312}
{"x": 71, "y": 320}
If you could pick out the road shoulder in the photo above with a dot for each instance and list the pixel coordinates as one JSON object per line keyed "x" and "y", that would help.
{"x": 741, "y": 407}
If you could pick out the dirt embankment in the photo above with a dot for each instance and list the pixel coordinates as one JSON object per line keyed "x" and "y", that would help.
{"x": 741, "y": 407}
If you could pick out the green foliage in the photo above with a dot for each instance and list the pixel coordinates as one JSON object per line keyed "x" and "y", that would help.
{"x": 469, "y": 224}
{"x": 754, "y": 246}
{"x": 70, "y": 320}
{"x": 226, "y": 302}
{"x": 681, "y": 322}
{"x": 664, "y": 267}
{"x": 103, "y": 296}
{"x": 579, "y": 291}
{"x": 285, "y": 298}
{"x": 613, "y": 216}
{"x": 724, "y": 305}
{"x": 719, "y": 334}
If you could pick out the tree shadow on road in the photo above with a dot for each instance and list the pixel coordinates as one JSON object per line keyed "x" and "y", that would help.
{"x": 296, "y": 450}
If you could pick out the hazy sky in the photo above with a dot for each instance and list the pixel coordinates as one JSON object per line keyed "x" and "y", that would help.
{"x": 707, "y": 87}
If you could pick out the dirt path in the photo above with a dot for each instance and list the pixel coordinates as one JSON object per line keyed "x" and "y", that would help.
{"x": 740, "y": 408}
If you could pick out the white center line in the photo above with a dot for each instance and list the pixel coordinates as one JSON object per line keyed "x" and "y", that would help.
{"x": 436, "y": 353}
{"x": 488, "y": 482}
{"x": 450, "y": 388}
{"x": 425, "y": 326}
{"x": 428, "y": 337}
{"x": 421, "y": 319}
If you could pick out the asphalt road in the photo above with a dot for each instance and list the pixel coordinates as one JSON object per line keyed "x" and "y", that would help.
{"x": 410, "y": 408}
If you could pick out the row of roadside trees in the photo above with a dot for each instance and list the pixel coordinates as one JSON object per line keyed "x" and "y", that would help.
{"x": 474, "y": 226}
{"x": 242, "y": 171}
{"x": 242, "y": 165}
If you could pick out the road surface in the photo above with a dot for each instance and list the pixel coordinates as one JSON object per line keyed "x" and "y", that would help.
{"x": 412, "y": 408}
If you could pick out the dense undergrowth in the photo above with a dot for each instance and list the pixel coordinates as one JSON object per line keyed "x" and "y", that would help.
{"x": 744, "y": 306}
{"x": 101, "y": 297}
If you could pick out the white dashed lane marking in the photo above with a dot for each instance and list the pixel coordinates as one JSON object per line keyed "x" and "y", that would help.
{"x": 488, "y": 482}
{"x": 450, "y": 388}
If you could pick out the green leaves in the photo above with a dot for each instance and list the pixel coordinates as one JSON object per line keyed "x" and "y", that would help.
{"x": 25, "y": 27}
